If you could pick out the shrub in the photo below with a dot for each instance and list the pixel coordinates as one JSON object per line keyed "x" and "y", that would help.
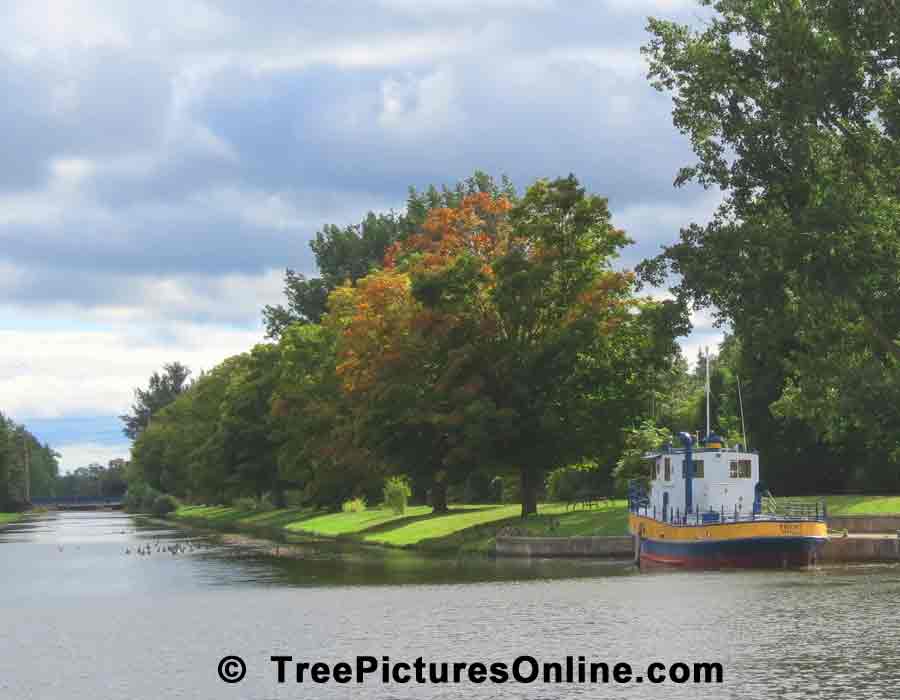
{"x": 294, "y": 498}
{"x": 244, "y": 503}
{"x": 148, "y": 498}
{"x": 639, "y": 440}
{"x": 249, "y": 503}
{"x": 163, "y": 505}
{"x": 565, "y": 483}
{"x": 354, "y": 505}
{"x": 134, "y": 496}
{"x": 396, "y": 494}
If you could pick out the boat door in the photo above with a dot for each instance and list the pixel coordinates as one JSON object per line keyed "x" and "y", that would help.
{"x": 665, "y": 506}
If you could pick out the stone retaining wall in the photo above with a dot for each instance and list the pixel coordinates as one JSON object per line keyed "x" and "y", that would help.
{"x": 861, "y": 549}
{"x": 565, "y": 546}
{"x": 865, "y": 523}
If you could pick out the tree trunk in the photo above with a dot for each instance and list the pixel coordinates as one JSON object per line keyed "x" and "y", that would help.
{"x": 278, "y": 495}
{"x": 439, "y": 497}
{"x": 529, "y": 492}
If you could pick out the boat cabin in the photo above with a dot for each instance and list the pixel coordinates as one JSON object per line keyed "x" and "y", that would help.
{"x": 722, "y": 481}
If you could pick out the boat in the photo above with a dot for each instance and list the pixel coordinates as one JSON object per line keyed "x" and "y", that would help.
{"x": 706, "y": 508}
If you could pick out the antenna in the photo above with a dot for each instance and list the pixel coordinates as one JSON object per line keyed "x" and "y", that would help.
{"x": 741, "y": 403}
{"x": 707, "y": 392}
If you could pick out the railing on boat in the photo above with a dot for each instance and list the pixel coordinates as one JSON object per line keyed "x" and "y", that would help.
{"x": 767, "y": 509}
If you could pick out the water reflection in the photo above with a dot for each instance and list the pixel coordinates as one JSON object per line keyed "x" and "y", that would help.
{"x": 119, "y": 551}
{"x": 83, "y": 618}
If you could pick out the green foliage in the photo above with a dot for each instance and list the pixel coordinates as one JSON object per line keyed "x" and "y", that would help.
{"x": 792, "y": 109}
{"x": 639, "y": 440}
{"x": 161, "y": 390}
{"x": 354, "y": 505}
{"x": 479, "y": 488}
{"x": 163, "y": 505}
{"x": 140, "y": 497}
{"x": 396, "y": 493}
{"x": 497, "y": 337}
{"x": 253, "y": 504}
{"x": 93, "y": 480}
{"x": 15, "y": 441}
{"x": 564, "y": 484}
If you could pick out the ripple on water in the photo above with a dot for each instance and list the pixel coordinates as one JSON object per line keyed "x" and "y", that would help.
{"x": 81, "y": 618}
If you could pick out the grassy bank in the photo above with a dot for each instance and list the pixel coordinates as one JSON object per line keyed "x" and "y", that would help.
{"x": 854, "y": 505}
{"x": 467, "y": 527}
{"x": 6, "y": 518}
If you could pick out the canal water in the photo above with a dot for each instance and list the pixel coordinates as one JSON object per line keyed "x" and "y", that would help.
{"x": 83, "y": 615}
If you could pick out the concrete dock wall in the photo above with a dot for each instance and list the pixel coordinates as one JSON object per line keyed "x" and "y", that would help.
{"x": 865, "y": 523}
{"x": 565, "y": 546}
{"x": 838, "y": 550}
{"x": 861, "y": 548}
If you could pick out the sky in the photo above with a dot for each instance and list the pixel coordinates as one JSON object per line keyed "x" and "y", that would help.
{"x": 164, "y": 162}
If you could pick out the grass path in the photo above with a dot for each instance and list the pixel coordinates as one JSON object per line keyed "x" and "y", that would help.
{"x": 6, "y": 518}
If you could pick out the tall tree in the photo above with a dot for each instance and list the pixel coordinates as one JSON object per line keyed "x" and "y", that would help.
{"x": 501, "y": 334}
{"x": 162, "y": 389}
{"x": 793, "y": 109}
{"x": 348, "y": 253}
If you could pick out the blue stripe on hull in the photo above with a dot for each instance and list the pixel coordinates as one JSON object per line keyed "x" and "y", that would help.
{"x": 755, "y": 552}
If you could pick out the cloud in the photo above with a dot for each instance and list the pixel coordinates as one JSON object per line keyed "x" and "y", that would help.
{"x": 73, "y": 455}
{"x": 164, "y": 162}
{"x": 52, "y": 373}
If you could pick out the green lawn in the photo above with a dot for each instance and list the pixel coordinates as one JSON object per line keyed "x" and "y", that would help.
{"x": 9, "y": 517}
{"x": 465, "y": 527}
{"x": 601, "y": 521}
{"x": 335, "y": 524}
{"x": 226, "y": 515}
{"x": 855, "y": 505}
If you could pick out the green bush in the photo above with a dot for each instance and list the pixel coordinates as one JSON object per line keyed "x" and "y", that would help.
{"x": 354, "y": 505}
{"x": 134, "y": 496}
{"x": 244, "y": 503}
{"x": 631, "y": 465}
{"x": 249, "y": 503}
{"x": 566, "y": 483}
{"x": 396, "y": 494}
{"x": 148, "y": 498}
{"x": 163, "y": 505}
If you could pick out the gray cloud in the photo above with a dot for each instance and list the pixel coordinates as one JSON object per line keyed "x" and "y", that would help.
{"x": 190, "y": 140}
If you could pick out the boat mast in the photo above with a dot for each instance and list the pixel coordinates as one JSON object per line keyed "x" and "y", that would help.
{"x": 707, "y": 391}
{"x": 741, "y": 403}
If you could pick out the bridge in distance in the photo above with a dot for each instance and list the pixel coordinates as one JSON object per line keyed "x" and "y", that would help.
{"x": 79, "y": 503}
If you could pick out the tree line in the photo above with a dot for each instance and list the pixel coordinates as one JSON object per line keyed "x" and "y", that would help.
{"x": 478, "y": 334}
{"x": 23, "y": 456}
{"x": 485, "y": 334}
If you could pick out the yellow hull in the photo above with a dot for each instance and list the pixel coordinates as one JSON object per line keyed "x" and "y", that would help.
{"x": 755, "y": 543}
{"x": 655, "y": 530}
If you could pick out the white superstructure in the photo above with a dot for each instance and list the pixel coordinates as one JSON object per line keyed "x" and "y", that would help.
{"x": 723, "y": 481}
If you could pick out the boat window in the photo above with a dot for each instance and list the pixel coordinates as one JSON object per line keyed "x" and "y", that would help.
{"x": 740, "y": 469}
{"x": 698, "y": 469}
{"x": 668, "y": 466}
